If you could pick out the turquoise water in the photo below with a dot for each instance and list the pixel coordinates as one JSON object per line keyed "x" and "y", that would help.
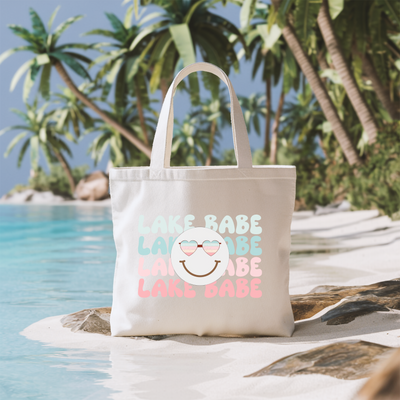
{"x": 54, "y": 260}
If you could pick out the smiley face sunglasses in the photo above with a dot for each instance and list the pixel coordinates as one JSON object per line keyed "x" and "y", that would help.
{"x": 189, "y": 247}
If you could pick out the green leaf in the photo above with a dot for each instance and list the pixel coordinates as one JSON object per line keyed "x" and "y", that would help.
{"x": 183, "y": 42}
{"x": 284, "y": 7}
{"x": 21, "y": 70}
{"x": 10, "y": 128}
{"x": 29, "y": 81}
{"x": 43, "y": 134}
{"x": 61, "y": 119}
{"x": 34, "y": 142}
{"x": 72, "y": 63}
{"x": 331, "y": 74}
{"x": 114, "y": 70}
{"x": 120, "y": 88}
{"x": 305, "y": 17}
{"x": 141, "y": 36}
{"x": 149, "y": 17}
{"x": 65, "y": 25}
{"x": 247, "y": 12}
{"x": 102, "y": 32}
{"x": 25, "y": 34}
{"x": 192, "y": 10}
{"x": 271, "y": 37}
{"x": 37, "y": 24}
{"x": 118, "y": 26}
{"x": 335, "y": 7}
{"x": 83, "y": 46}
{"x": 51, "y": 20}
{"x": 78, "y": 56}
{"x": 128, "y": 17}
{"x": 161, "y": 47}
{"x": 14, "y": 142}
{"x": 44, "y": 86}
{"x": 397, "y": 64}
{"x": 42, "y": 59}
{"x": 22, "y": 152}
{"x": 136, "y": 6}
{"x": 392, "y": 11}
{"x": 132, "y": 66}
{"x": 9, "y": 52}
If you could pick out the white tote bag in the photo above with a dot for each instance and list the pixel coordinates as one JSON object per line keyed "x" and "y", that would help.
{"x": 202, "y": 250}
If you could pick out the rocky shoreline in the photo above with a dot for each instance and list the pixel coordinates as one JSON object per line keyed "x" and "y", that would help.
{"x": 352, "y": 359}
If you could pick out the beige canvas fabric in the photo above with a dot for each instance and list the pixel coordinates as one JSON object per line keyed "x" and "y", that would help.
{"x": 245, "y": 214}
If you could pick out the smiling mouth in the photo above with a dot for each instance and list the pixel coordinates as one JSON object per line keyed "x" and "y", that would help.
{"x": 200, "y": 276}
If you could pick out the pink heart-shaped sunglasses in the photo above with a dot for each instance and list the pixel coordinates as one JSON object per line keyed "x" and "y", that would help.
{"x": 189, "y": 247}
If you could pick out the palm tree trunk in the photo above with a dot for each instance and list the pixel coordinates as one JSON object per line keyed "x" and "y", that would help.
{"x": 275, "y": 128}
{"x": 322, "y": 61}
{"x": 320, "y": 92}
{"x": 141, "y": 114}
{"x": 66, "y": 169}
{"x": 268, "y": 115}
{"x": 339, "y": 62}
{"x": 211, "y": 144}
{"x": 124, "y": 131}
{"x": 381, "y": 91}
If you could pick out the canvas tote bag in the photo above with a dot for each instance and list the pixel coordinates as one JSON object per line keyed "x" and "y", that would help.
{"x": 202, "y": 250}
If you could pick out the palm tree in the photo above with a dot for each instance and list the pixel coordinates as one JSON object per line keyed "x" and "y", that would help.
{"x": 253, "y": 107}
{"x": 184, "y": 27}
{"x": 190, "y": 143}
{"x": 70, "y": 110}
{"x": 40, "y": 132}
{"x": 365, "y": 31}
{"x": 121, "y": 150}
{"x": 212, "y": 115}
{"x": 272, "y": 53}
{"x": 353, "y": 92}
{"x": 319, "y": 89}
{"x": 124, "y": 67}
{"x": 48, "y": 54}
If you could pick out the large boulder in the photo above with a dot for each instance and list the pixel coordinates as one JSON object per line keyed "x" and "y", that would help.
{"x": 352, "y": 359}
{"x": 93, "y": 187}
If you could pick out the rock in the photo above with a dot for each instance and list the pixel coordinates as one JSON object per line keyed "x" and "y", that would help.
{"x": 342, "y": 360}
{"x": 360, "y": 300}
{"x": 94, "y": 320}
{"x": 349, "y": 310}
{"x": 385, "y": 382}
{"x": 93, "y": 187}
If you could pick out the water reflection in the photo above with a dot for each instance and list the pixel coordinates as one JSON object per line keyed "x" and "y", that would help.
{"x": 155, "y": 373}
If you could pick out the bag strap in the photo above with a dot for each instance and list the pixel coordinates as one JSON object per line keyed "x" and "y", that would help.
{"x": 161, "y": 152}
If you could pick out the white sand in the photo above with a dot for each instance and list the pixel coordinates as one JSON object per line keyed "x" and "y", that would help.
{"x": 189, "y": 367}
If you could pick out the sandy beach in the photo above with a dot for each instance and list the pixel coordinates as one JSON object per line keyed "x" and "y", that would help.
{"x": 345, "y": 248}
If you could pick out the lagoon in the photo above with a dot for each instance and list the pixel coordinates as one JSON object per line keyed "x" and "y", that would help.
{"x": 54, "y": 260}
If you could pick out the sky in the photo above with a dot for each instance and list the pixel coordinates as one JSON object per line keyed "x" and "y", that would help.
{"x": 17, "y": 12}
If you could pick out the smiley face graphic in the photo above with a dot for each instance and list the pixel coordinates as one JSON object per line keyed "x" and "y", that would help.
{"x": 200, "y": 256}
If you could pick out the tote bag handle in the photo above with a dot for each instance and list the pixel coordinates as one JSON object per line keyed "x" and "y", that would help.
{"x": 161, "y": 153}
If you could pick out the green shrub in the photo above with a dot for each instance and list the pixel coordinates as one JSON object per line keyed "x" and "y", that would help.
{"x": 374, "y": 184}
{"x": 56, "y": 181}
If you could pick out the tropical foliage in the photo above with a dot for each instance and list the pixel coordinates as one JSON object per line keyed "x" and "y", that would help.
{"x": 336, "y": 63}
